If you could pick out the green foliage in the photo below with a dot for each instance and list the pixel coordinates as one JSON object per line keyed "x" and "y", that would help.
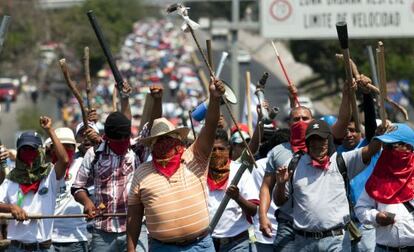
{"x": 28, "y": 119}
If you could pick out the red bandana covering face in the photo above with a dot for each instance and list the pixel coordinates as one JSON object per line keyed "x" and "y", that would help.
{"x": 119, "y": 147}
{"x": 392, "y": 180}
{"x": 166, "y": 154}
{"x": 71, "y": 154}
{"x": 28, "y": 156}
{"x": 297, "y": 136}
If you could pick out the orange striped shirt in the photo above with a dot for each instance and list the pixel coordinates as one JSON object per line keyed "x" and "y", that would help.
{"x": 175, "y": 208}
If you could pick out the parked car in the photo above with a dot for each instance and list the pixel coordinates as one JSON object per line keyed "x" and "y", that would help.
{"x": 8, "y": 89}
{"x": 243, "y": 56}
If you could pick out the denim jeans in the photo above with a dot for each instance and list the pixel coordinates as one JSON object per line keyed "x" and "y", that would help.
{"x": 203, "y": 245}
{"x": 367, "y": 242}
{"x": 69, "y": 247}
{"x": 104, "y": 241}
{"x": 262, "y": 247}
{"x": 12, "y": 248}
{"x": 285, "y": 237}
{"x": 330, "y": 243}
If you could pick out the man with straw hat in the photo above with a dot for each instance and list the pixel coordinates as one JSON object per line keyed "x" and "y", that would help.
{"x": 171, "y": 189}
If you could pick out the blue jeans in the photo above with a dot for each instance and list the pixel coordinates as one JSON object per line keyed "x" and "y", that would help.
{"x": 104, "y": 241}
{"x": 12, "y": 248}
{"x": 69, "y": 247}
{"x": 367, "y": 242}
{"x": 203, "y": 245}
{"x": 285, "y": 237}
{"x": 330, "y": 243}
{"x": 263, "y": 247}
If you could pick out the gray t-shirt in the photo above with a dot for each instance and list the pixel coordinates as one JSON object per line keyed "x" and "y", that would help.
{"x": 278, "y": 157}
{"x": 319, "y": 197}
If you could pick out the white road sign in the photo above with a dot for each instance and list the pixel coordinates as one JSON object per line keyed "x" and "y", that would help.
{"x": 316, "y": 19}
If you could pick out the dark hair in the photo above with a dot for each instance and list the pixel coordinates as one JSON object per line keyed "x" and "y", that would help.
{"x": 221, "y": 134}
{"x": 280, "y": 136}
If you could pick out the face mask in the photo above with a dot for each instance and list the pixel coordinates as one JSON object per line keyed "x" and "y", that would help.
{"x": 297, "y": 136}
{"x": 28, "y": 156}
{"x": 119, "y": 147}
{"x": 219, "y": 160}
{"x": 69, "y": 152}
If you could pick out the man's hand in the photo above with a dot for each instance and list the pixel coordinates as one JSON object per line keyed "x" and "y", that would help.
{"x": 18, "y": 213}
{"x": 382, "y": 130}
{"x": 283, "y": 175}
{"x": 233, "y": 192}
{"x": 365, "y": 84}
{"x": 217, "y": 88}
{"x": 92, "y": 136}
{"x": 156, "y": 91}
{"x": 45, "y": 123}
{"x": 90, "y": 210}
{"x": 384, "y": 219}
{"x": 292, "y": 90}
{"x": 126, "y": 90}
{"x": 265, "y": 226}
{"x": 4, "y": 153}
{"x": 92, "y": 116}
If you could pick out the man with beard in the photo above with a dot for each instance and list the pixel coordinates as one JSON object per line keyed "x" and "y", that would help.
{"x": 171, "y": 189}
{"x": 31, "y": 187}
{"x": 298, "y": 123}
{"x": 388, "y": 199}
{"x": 317, "y": 189}
{"x": 231, "y": 232}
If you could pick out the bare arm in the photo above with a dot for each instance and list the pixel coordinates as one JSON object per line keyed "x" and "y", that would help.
{"x": 282, "y": 177}
{"x": 248, "y": 207}
{"x": 125, "y": 107}
{"x": 266, "y": 189}
{"x": 156, "y": 93}
{"x": 344, "y": 115}
{"x": 62, "y": 156}
{"x": 134, "y": 222}
{"x": 257, "y": 135}
{"x": 205, "y": 140}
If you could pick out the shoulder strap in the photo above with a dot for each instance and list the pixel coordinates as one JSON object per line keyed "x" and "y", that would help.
{"x": 292, "y": 167}
{"x": 409, "y": 207}
{"x": 95, "y": 159}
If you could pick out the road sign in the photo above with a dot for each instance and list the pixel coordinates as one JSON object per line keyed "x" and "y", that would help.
{"x": 316, "y": 19}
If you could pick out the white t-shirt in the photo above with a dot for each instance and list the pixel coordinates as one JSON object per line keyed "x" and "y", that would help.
{"x": 69, "y": 230}
{"x": 42, "y": 202}
{"x": 258, "y": 175}
{"x": 233, "y": 221}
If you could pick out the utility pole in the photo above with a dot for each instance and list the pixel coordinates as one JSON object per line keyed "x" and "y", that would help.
{"x": 235, "y": 13}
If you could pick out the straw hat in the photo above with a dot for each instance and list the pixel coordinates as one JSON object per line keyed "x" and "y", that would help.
{"x": 162, "y": 127}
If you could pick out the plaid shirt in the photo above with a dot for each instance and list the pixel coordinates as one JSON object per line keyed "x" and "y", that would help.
{"x": 111, "y": 175}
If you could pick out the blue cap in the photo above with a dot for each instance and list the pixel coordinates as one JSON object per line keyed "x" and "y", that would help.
{"x": 29, "y": 138}
{"x": 401, "y": 133}
{"x": 329, "y": 119}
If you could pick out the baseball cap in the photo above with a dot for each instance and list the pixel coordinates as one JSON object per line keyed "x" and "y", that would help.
{"x": 243, "y": 127}
{"x": 319, "y": 128}
{"x": 29, "y": 138}
{"x": 401, "y": 133}
{"x": 237, "y": 139}
{"x": 80, "y": 127}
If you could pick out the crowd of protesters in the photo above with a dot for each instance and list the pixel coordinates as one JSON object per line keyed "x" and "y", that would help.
{"x": 319, "y": 185}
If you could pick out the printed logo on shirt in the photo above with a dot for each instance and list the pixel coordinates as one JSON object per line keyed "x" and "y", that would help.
{"x": 316, "y": 126}
{"x": 43, "y": 191}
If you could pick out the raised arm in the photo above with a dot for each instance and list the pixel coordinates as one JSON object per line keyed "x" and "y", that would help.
{"x": 156, "y": 93}
{"x": 125, "y": 107}
{"x": 205, "y": 140}
{"x": 282, "y": 177}
{"x": 62, "y": 156}
{"x": 369, "y": 107}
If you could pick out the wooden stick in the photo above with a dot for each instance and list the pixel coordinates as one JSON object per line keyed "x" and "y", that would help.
{"x": 382, "y": 81}
{"x": 64, "y": 216}
{"x": 75, "y": 91}
{"x": 249, "y": 104}
{"x": 209, "y": 53}
{"x": 87, "y": 77}
{"x": 398, "y": 107}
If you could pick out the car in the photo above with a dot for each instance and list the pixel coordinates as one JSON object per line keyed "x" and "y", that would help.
{"x": 8, "y": 89}
{"x": 243, "y": 56}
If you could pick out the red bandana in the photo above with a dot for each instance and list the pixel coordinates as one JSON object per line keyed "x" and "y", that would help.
{"x": 297, "y": 136}
{"x": 71, "y": 154}
{"x": 28, "y": 156}
{"x": 220, "y": 185}
{"x": 29, "y": 187}
{"x": 166, "y": 154}
{"x": 119, "y": 147}
{"x": 324, "y": 165}
{"x": 392, "y": 180}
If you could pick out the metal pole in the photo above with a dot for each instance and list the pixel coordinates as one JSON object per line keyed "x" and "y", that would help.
{"x": 234, "y": 52}
{"x": 372, "y": 65}
{"x": 5, "y": 22}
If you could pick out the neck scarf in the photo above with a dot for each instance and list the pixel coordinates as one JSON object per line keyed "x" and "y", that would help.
{"x": 119, "y": 147}
{"x": 297, "y": 136}
{"x": 217, "y": 178}
{"x": 166, "y": 155}
{"x": 24, "y": 174}
{"x": 392, "y": 180}
{"x": 324, "y": 165}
